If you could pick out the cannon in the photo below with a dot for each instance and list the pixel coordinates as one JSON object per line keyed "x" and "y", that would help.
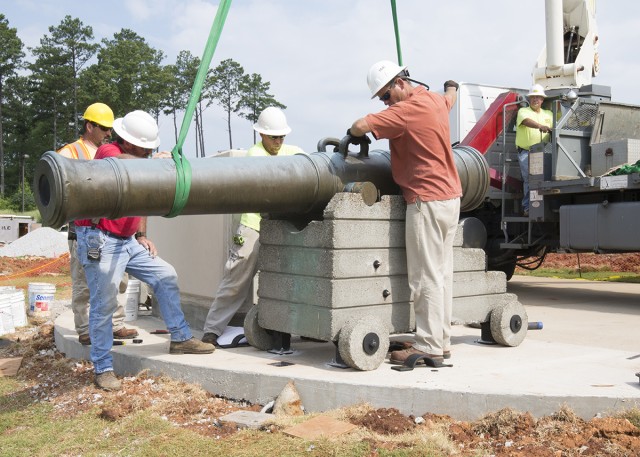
{"x": 67, "y": 190}
{"x": 332, "y": 263}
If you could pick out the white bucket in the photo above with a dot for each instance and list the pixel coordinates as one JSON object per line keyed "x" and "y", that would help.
{"x": 16, "y": 298}
{"x": 133, "y": 300}
{"x": 6, "y": 316}
{"x": 40, "y": 297}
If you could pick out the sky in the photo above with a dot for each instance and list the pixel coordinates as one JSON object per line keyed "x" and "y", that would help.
{"x": 316, "y": 53}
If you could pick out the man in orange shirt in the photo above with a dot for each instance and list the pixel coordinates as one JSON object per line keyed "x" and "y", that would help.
{"x": 96, "y": 130}
{"x": 416, "y": 123}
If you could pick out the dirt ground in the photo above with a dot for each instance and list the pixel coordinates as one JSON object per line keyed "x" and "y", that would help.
{"x": 68, "y": 385}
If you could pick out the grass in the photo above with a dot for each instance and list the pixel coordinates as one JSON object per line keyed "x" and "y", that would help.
{"x": 28, "y": 429}
{"x": 572, "y": 273}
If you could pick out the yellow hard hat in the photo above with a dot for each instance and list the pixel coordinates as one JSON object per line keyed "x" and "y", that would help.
{"x": 100, "y": 114}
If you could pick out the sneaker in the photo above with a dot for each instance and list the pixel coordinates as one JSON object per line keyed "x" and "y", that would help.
{"x": 108, "y": 381}
{"x": 125, "y": 333}
{"x": 85, "y": 339}
{"x": 399, "y": 357}
{"x": 210, "y": 338}
{"x": 192, "y": 346}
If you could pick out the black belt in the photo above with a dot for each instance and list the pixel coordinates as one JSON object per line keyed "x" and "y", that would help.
{"x": 113, "y": 235}
{"x": 522, "y": 149}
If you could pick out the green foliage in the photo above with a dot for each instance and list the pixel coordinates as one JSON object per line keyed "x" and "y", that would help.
{"x": 254, "y": 98}
{"x": 128, "y": 75}
{"x": 15, "y": 200}
{"x": 68, "y": 71}
{"x": 11, "y": 56}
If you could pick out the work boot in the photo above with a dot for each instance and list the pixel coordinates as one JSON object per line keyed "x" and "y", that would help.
{"x": 399, "y": 357}
{"x": 210, "y": 338}
{"x": 85, "y": 339}
{"x": 408, "y": 344}
{"x": 125, "y": 333}
{"x": 108, "y": 381}
{"x": 192, "y": 346}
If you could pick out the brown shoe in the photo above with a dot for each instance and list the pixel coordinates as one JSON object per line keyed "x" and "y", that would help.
{"x": 108, "y": 381}
{"x": 125, "y": 333}
{"x": 409, "y": 344}
{"x": 85, "y": 339}
{"x": 210, "y": 338}
{"x": 192, "y": 346}
{"x": 399, "y": 357}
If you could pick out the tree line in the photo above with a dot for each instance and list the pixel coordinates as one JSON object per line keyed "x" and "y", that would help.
{"x": 42, "y": 99}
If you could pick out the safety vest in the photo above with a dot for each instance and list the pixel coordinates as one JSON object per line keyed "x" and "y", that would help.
{"x": 78, "y": 150}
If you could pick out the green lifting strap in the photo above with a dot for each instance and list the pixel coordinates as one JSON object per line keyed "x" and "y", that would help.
{"x": 183, "y": 167}
{"x": 397, "y": 31}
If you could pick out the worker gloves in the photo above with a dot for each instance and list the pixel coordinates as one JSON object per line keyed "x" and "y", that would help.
{"x": 358, "y": 140}
{"x": 450, "y": 83}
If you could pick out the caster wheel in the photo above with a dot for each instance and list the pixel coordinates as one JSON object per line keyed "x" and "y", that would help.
{"x": 509, "y": 324}
{"x": 256, "y": 336}
{"x": 363, "y": 343}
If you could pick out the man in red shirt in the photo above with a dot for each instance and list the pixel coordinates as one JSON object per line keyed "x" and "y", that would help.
{"x": 416, "y": 123}
{"x": 109, "y": 247}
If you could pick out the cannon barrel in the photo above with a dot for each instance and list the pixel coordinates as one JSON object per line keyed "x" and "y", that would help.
{"x": 67, "y": 189}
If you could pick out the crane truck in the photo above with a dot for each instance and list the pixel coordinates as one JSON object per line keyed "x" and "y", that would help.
{"x": 583, "y": 197}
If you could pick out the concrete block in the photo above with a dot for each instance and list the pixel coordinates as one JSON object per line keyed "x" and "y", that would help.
{"x": 473, "y": 309}
{"x": 247, "y": 419}
{"x": 325, "y": 323}
{"x": 333, "y": 263}
{"x": 350, "y": 206}
{"x": 356, "y": 292}
{"x": 353, "y": 263}
{"x": 334, "y": 234}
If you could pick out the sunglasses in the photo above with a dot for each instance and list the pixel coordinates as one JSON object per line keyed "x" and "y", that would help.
{"x": 387, "y": 95}
{"x": 102, "y": 127}
{"x": 280, "y": 137}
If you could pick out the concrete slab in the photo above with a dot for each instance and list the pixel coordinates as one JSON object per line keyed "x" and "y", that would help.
{"x": 585, "y": 357}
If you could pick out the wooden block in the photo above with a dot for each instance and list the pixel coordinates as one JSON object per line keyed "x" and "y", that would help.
{"x": 10, "y": 367}
{"x": 319, "y": 426}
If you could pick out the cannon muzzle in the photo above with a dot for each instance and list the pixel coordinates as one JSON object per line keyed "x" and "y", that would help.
{"x": 67, "y": 189}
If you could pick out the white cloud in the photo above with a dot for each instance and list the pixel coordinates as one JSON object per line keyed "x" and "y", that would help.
{"x": 315, "y": 53}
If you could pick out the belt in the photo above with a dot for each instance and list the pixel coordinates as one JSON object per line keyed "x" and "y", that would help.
{"x": 113, "y": 235}
{"x": 522, "y": 150}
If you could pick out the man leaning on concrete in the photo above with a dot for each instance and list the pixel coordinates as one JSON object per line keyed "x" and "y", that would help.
{"x": 242, "y": 264}
{"x": 416, "y": 123}
{"x": 110, "y": 247}
{"x": 96, "y": 130}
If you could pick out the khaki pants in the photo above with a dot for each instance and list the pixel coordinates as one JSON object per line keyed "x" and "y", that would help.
{"x": 430, "y": 230}
{"x": 235, "y": 286}
{"x": 80, "y": 295}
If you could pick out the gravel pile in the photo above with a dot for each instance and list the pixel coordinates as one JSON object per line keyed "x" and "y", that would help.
{"x": 41, "y": 242}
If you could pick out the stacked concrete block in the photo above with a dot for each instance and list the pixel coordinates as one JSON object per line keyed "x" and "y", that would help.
{"x": 352, "y": 264}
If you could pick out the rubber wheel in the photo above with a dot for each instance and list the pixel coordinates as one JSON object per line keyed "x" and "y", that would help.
{"x": 363, "y": 343}
{"x": 256, "y": 336}
{"x": 509, "y": 324}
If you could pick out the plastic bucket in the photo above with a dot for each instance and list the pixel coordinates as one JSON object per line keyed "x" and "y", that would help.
{"x": 6, "y": 316}
{"x": 16, "y": 298}
{"x": 133, "y": 300}
{"x": 40, "y": 297}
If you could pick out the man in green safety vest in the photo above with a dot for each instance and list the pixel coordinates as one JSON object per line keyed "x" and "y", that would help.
{"x": 241, "y": 266}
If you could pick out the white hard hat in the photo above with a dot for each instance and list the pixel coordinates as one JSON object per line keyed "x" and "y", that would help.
{"x": 381, "y": 73}
{"x": 272, "y": 121}
{"x": 139, "y": 129}
{"x": 538, "y": 90}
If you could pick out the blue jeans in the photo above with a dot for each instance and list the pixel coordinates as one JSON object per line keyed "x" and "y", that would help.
{"x": 523, "y": 159}
{"x": 103, "y": 278}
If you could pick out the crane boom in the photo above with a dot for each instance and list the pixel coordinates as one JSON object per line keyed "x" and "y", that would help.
{"x": 570, "y": 57}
